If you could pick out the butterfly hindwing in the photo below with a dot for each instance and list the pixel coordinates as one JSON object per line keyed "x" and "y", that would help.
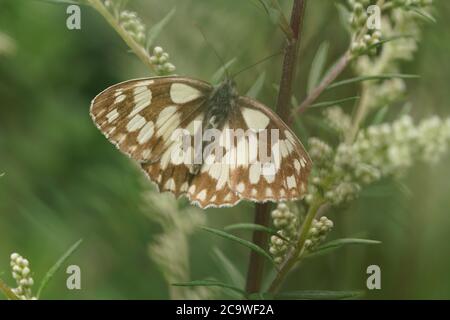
{"x": 282, "y": 175}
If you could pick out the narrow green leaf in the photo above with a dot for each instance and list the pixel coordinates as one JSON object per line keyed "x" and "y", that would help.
{"x": 154, "y": 31}
{"x": 229, "y": 269}
{"x": 423, "y": 14}
{"x": 277, "y": 17}
{"x": 381, "y": 42}
{"x": 294, "y": 101}
{"x": 243, "y": 242}
{"x": 339, "y": 243}
{"x": 209, "y": 283}
{"x": 250, "y": 226}
{"x": 333, "y": 103}
{"x": 6, "y": 290}
{"x": 380, "y": 115}
{"x": 344, "y": 16}
{"x": 51, "y": 272}
{"x": 256, "y": 88}
{"x": 253, "y": 227}
{"x": 218, "y": 75}
{"x": 367, "y": 78}
{"x": 317, "y": 66}
{"x": 406, "y": 109}
{"x": 319, "y": 295}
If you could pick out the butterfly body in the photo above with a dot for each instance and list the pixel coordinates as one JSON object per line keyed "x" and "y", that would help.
{"x": 220, "y": 103}
{"x": 141, "y": 116}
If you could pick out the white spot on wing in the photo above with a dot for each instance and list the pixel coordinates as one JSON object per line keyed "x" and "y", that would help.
{"x": 165, "y": 114}
{"x": 119, "y": 99}
{"x": 170, "y": 184}
{"x": 183, "y": 93}
{"x": 255, "y": 119}
{"x": 202, "y": 195}
{"x": 142, "y": 99}
{"x": 254, "y": 173}
{"x": 270, "y": 178}
{"x": 145, "y": 82}
{"x": 136, "y": 123}
{"x": 113, "y": 115}
{"x": 184, "y": 187}
{"x": 297, "y": 165}
{"x": 146, "y": 133}
{"x": 290, "y": 182}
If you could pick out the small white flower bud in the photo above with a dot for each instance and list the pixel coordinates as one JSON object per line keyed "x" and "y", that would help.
{"x": 158, "y": 51}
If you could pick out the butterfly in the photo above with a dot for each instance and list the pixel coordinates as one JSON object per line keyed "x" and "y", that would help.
{"x": 141, "y": 117}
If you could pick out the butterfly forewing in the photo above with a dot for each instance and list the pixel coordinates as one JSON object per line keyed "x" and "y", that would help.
{"x": 139, "y": 116}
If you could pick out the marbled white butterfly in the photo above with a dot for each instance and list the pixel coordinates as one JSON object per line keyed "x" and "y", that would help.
{"x": 141, "y": 117}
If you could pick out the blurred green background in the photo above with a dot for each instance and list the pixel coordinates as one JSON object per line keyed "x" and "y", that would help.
{"x": 63, "y": 181}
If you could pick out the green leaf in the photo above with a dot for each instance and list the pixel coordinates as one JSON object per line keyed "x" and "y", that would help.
{"x": 333, "y": 103}
{"x": 9, "y": 294}
{"x": 250, "y": 226}
{"x": 277, "y": 17}
{"x": 218, "y": 75}
{"x": 256, "y": 88}
{"x": 406, "y": 109}
{"x": 319, "y": 295}
{"x": 339, "y": 243}
{"x": 344, "y": 16}
{"x": 253, "y": 227}
{"x": 367, "y": 78}
{"x": 51, "y": 272}
{"x": 209, "y": 283}
{"x": 380, "y": 115}
{"x": 381, "y": 42}
{"x": 423, "y": 14}
{"x": 154, "y": 31}
{"x": 228, "y": 267}
{"x": 243, "y": 242}
{"x": 317, "y": 66}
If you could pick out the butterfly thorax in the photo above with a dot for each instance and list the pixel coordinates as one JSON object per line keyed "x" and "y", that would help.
{"x": 219, "y": 104}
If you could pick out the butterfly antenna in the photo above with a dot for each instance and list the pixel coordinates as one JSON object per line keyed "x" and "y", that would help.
{"x": 222, "y": 61}
{"x": 257, "y": 63}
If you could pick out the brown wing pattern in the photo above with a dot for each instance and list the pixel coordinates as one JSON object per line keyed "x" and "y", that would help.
{"x": 283, "y": 176}
{"x": 140, "y": 116}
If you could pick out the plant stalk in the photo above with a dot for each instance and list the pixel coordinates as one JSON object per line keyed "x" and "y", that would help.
{"x": 338, "y": 68}
{"x": 298, "y": 249}
{"x": 262, "y": 211}
{"x": 138, "y": 50}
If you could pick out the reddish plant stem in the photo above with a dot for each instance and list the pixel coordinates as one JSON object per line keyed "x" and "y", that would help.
{"x": 338, "y": 68}
{"x": 262, "y": 211}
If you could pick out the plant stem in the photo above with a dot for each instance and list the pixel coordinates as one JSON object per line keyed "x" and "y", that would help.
{"x": 256, "y": 265}
{"x": 262, "y": 211}
{"x": 338, "y": 68}
{"x": 138, "y": 50}
{"x": 297, "y": 251}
